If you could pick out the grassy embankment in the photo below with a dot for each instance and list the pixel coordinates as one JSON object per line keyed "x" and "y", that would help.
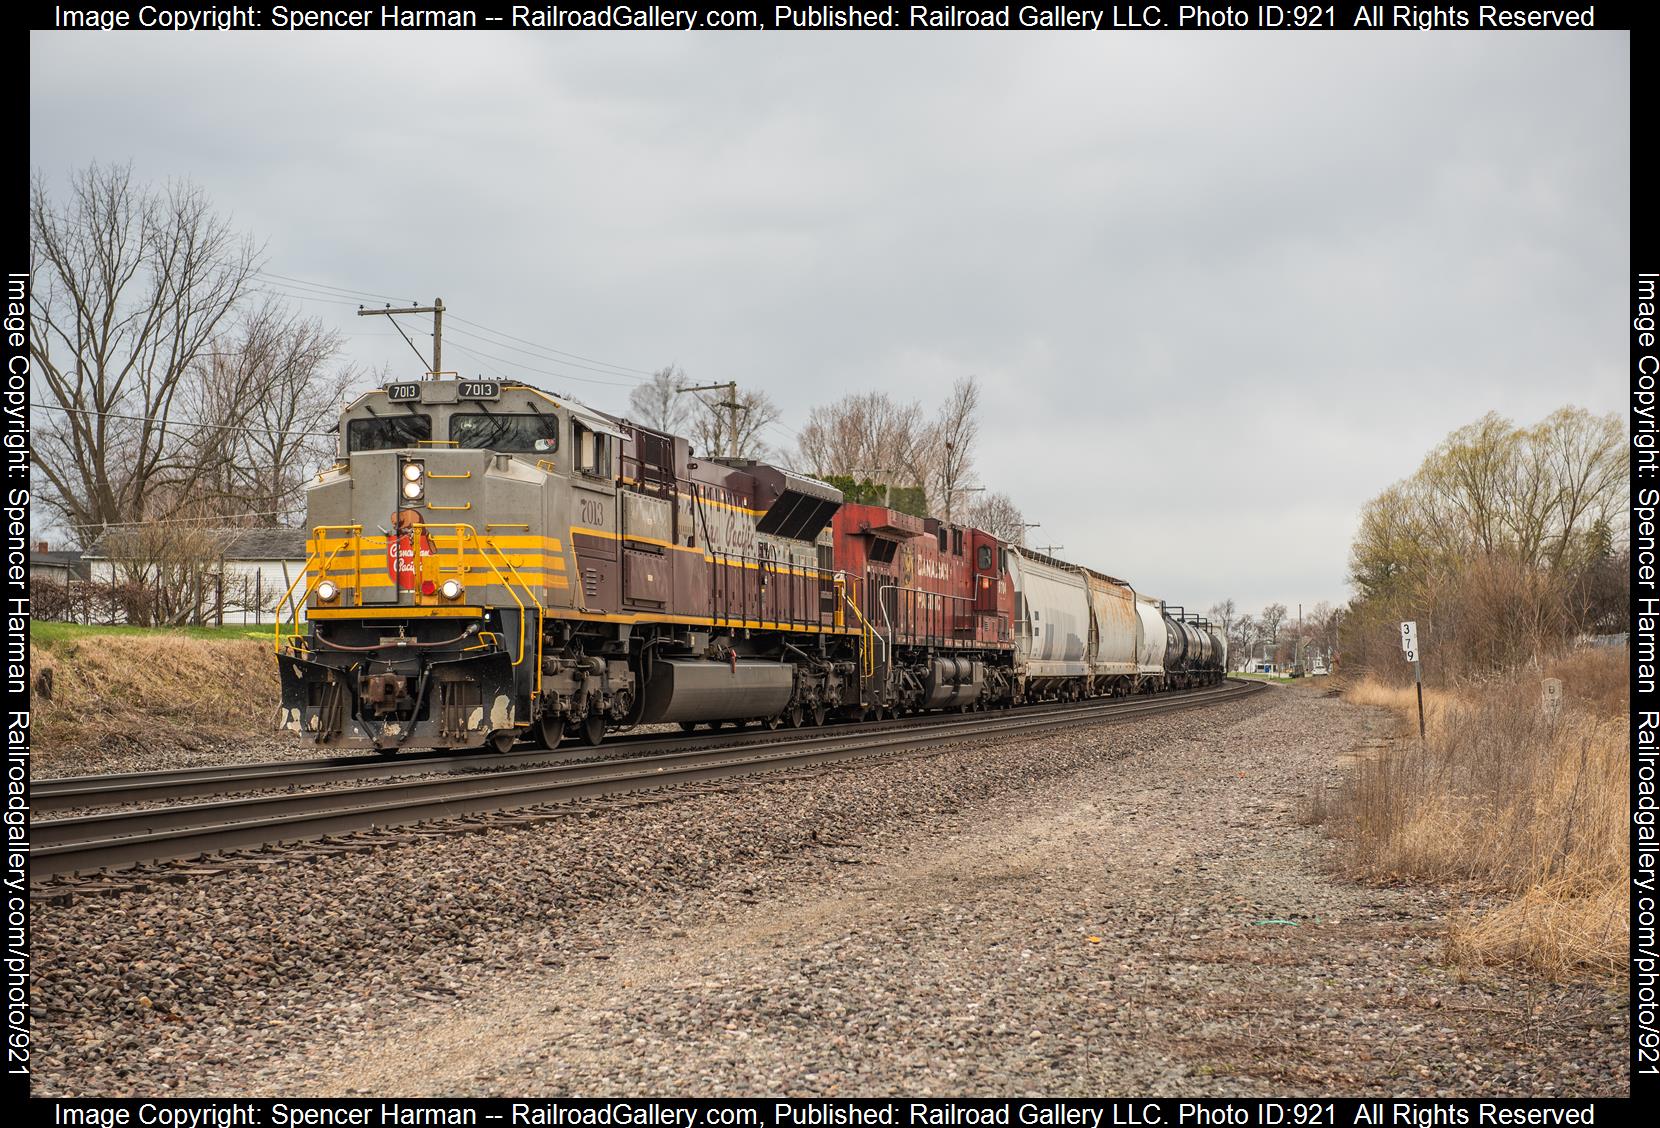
{"x": 1511, "y": 803}
{"x": 93, "y": 684}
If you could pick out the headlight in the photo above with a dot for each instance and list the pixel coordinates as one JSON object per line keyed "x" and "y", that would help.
{"x": 414, "y": 483}
{"x": 412, "y": 471}
{"x": 412, "y": 490}
{"x": 326, "y": 591}
{"x": 451, "y": 589}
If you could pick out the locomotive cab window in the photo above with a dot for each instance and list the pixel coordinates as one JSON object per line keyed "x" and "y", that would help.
{"x": 593, "y": 451}
{"x": 985, "y": 558}
{"x": 388, "y": 432}
{"x": 505, "y": 434}
{"x": 956, "y": 542}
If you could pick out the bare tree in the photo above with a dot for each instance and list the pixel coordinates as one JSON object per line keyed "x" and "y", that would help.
{"x": 660, "y": 403}
{"x": 1242, "y": 638}
{"x": 278, "y": 373}
{"x": 1223, "y": 615}
{"x": 1272, "y": 617}
{"x": 998, "y": 515}
{"x": 711, "y": 425}
{"x": 131, "y": 285}
{"x": 951, "y": 440}
{"x": 867, "y": 435}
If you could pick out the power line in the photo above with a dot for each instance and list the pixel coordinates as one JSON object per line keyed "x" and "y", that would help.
{"x": 174, "y": 520}
{"x": 545, "y": 371}
{"x": 338, "y": 289}
{"x": 175, "y": 422}
{"x": 560, "y": 352}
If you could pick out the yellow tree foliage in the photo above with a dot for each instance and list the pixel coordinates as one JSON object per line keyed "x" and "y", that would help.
{"x": 1500, "y": 545}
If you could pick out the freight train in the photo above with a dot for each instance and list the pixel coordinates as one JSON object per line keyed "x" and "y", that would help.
{"x": 489, "y": 563}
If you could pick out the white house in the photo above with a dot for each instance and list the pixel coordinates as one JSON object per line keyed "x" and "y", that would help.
{"x": 243, "y": 581}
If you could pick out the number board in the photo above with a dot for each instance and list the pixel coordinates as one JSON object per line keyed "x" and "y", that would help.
{"x": 478, "y": 389}
{"x": 1409, "y": 640}
{"x": 404, "y": 392}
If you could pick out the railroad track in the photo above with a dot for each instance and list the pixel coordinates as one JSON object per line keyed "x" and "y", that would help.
{"x": 122, "y": 838}
{"x": 169, "y": 785}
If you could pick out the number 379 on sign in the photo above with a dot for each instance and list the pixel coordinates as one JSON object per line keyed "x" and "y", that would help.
{"x": 1409, "y": 640}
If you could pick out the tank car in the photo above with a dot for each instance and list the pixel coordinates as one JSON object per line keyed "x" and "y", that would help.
{"x": 1195, "y": 651}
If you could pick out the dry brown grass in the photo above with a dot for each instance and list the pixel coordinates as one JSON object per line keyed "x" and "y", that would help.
{"x": 1505, "y": 799}
{"x": 149, "y": 685}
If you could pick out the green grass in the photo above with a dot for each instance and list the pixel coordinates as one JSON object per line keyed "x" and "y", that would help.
{"x": 59, "y": 634}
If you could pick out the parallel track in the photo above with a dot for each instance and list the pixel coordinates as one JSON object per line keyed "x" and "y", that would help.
{"x": 122, "y": 838}
{"x": 168, "y": 785}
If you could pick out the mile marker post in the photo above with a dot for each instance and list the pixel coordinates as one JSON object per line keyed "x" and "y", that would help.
{"x": 1409, "y": 644}
{"x": 1553, "y": 699}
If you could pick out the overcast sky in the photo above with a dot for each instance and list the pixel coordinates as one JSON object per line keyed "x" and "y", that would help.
{"x": 1219, "y": 288}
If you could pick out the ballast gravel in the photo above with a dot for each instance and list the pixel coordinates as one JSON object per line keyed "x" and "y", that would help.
{"x": 1130, "y": 908}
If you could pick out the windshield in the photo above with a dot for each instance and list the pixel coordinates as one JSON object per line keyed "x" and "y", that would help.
{"x": 388, "y": 432}
{"x": 510, "y": 434}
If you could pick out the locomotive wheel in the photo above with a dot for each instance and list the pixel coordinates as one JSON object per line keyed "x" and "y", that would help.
{"x": 792, "y": 715}
{"x": 501, "y": 740}
{"x": 592, "y": 729}
{"x": 818, "y": 713}
{"x": 775, "y": 722}
{"x": 549, "y": 731}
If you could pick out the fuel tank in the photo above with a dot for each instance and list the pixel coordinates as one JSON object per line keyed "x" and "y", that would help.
{"x": 696, "y": 689}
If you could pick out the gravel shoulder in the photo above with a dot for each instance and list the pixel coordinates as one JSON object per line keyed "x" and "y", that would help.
{"x": 1135, "y": 908}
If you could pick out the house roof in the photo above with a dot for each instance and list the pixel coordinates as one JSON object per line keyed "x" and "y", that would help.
{"x": 238, "y": 544}
{"x": 67, "y": 559}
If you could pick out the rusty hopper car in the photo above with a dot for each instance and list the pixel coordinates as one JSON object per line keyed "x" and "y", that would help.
{"x": 487, "y": 562}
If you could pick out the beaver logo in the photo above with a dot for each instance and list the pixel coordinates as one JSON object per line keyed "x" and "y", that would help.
{"x": 404, "y": 550}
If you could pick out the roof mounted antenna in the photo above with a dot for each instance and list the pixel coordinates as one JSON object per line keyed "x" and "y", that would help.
{"x": 437, "y": 311}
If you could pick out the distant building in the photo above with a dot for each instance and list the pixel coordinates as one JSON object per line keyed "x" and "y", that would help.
{"x": 252, "y": 571}
{"x": 56, "y": 566}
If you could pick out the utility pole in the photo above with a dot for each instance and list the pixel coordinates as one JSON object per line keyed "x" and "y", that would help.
{"x": 1049, "y": 549}
{"x": 437, "y": 311}
{"x": 1024, "y": 525}
{"x": 730, "y": 403}
{"x": 954, "y": 491}
{"x": 874, "y": 474}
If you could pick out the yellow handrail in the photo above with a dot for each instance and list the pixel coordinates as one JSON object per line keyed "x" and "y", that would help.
{"x": 287, "y": 599}
{"x": 540, "y": 610}
{"x": 485, "y": 548}
{"x": 869, "y": 657}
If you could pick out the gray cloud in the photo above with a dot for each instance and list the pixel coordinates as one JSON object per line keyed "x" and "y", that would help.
{"x": 1221, "y": 288}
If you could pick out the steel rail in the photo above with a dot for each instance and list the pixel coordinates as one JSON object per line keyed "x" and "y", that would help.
{"x": 159, "y": 834}
{"x": 71, "y": 792}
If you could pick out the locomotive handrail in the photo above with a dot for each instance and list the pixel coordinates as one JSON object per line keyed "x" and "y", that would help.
{"x": 541, "y": 611}
{"x": 484, "y": 549}
{"x": 945, "y": 597}
{"x": 720, "y": 584}
{"x": 287, "y": 600}
{"x": 869, "y": 663}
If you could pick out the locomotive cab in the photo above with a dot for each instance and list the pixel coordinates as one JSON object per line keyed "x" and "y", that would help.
{"x": 432, "y": 553}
